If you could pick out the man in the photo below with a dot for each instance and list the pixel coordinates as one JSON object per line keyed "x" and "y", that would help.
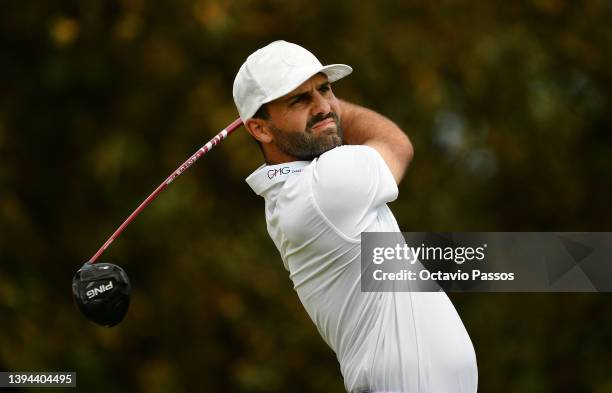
{"x": 331, "y": 169}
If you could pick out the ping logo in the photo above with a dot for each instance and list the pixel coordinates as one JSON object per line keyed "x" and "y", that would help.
{"x": 279, "y": 171}
{"x": 99, "y": 290}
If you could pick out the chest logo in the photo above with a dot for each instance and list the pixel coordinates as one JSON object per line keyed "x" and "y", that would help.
{"x": 272, "y": 173}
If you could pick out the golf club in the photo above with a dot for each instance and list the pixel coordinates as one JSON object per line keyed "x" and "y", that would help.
{"x": 102, "y": 290}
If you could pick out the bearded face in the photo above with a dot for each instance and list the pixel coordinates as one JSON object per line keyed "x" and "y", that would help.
{"x": 322, "y": 133}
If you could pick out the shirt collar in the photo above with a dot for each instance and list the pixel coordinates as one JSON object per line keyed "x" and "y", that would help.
{"x": 266, "y": 176}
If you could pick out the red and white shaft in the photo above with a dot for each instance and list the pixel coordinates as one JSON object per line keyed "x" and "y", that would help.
{"x": 179, "y": 171}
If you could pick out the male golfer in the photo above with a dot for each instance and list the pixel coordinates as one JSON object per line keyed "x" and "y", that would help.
{"x": 331, "y": 168}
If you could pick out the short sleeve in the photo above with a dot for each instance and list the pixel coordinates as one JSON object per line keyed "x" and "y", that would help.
{"x": 350, "y": 184}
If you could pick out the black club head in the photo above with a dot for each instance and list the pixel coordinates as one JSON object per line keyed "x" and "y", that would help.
{"x": 102, "y": 292}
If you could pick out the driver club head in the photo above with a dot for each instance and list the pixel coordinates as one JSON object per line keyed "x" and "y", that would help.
{"x": 102, "y": 292}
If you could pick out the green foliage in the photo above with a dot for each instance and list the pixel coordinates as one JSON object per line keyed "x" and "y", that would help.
{"x": 508, "y": 105}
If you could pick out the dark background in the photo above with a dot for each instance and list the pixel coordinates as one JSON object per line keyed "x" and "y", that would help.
{"x": 508, "y": 105}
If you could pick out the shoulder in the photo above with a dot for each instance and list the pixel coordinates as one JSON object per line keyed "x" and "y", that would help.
{"x": 351, "y": 167}
{"x": 346, "y": 155}
{"x": 349, "y": 181}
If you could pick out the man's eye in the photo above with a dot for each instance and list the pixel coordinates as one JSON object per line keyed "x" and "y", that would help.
{"x": 324, "y": 89}
{"x": 298, "y": 99}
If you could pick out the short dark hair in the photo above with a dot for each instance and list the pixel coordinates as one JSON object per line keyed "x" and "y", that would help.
{"x": 262, "y": 113}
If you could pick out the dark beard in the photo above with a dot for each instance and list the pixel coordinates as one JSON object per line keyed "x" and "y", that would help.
{"x": 305, "y": 145}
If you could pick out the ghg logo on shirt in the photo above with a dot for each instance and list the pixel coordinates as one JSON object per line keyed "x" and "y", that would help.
{"x": 278, "y": 171}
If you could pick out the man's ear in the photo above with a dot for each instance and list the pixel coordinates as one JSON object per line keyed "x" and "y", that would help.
{"x": 259, "y": 130}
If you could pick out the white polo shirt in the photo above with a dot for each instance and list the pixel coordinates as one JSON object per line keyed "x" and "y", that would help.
{"x": 405, "y": 342}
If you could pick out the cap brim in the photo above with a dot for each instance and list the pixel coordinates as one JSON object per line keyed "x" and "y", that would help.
{"x": 334, "y": 72}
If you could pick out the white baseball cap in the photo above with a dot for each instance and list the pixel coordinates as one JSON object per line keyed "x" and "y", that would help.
{"x": 274, "y": 71}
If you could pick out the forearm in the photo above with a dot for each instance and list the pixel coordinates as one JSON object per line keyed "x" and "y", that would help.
{"x": 363, "y": 126}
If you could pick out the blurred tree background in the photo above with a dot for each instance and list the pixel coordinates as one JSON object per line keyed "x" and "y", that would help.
{"x": 508, "y": 105}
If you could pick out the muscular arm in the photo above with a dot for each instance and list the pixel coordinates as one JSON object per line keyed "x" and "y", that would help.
{"x": 365, "y": 127}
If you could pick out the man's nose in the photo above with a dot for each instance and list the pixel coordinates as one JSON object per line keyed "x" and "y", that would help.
{"x": 320, "y": 105}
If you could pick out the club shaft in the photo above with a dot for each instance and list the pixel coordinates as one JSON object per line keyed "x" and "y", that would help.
{"x": 179, "y": 171}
